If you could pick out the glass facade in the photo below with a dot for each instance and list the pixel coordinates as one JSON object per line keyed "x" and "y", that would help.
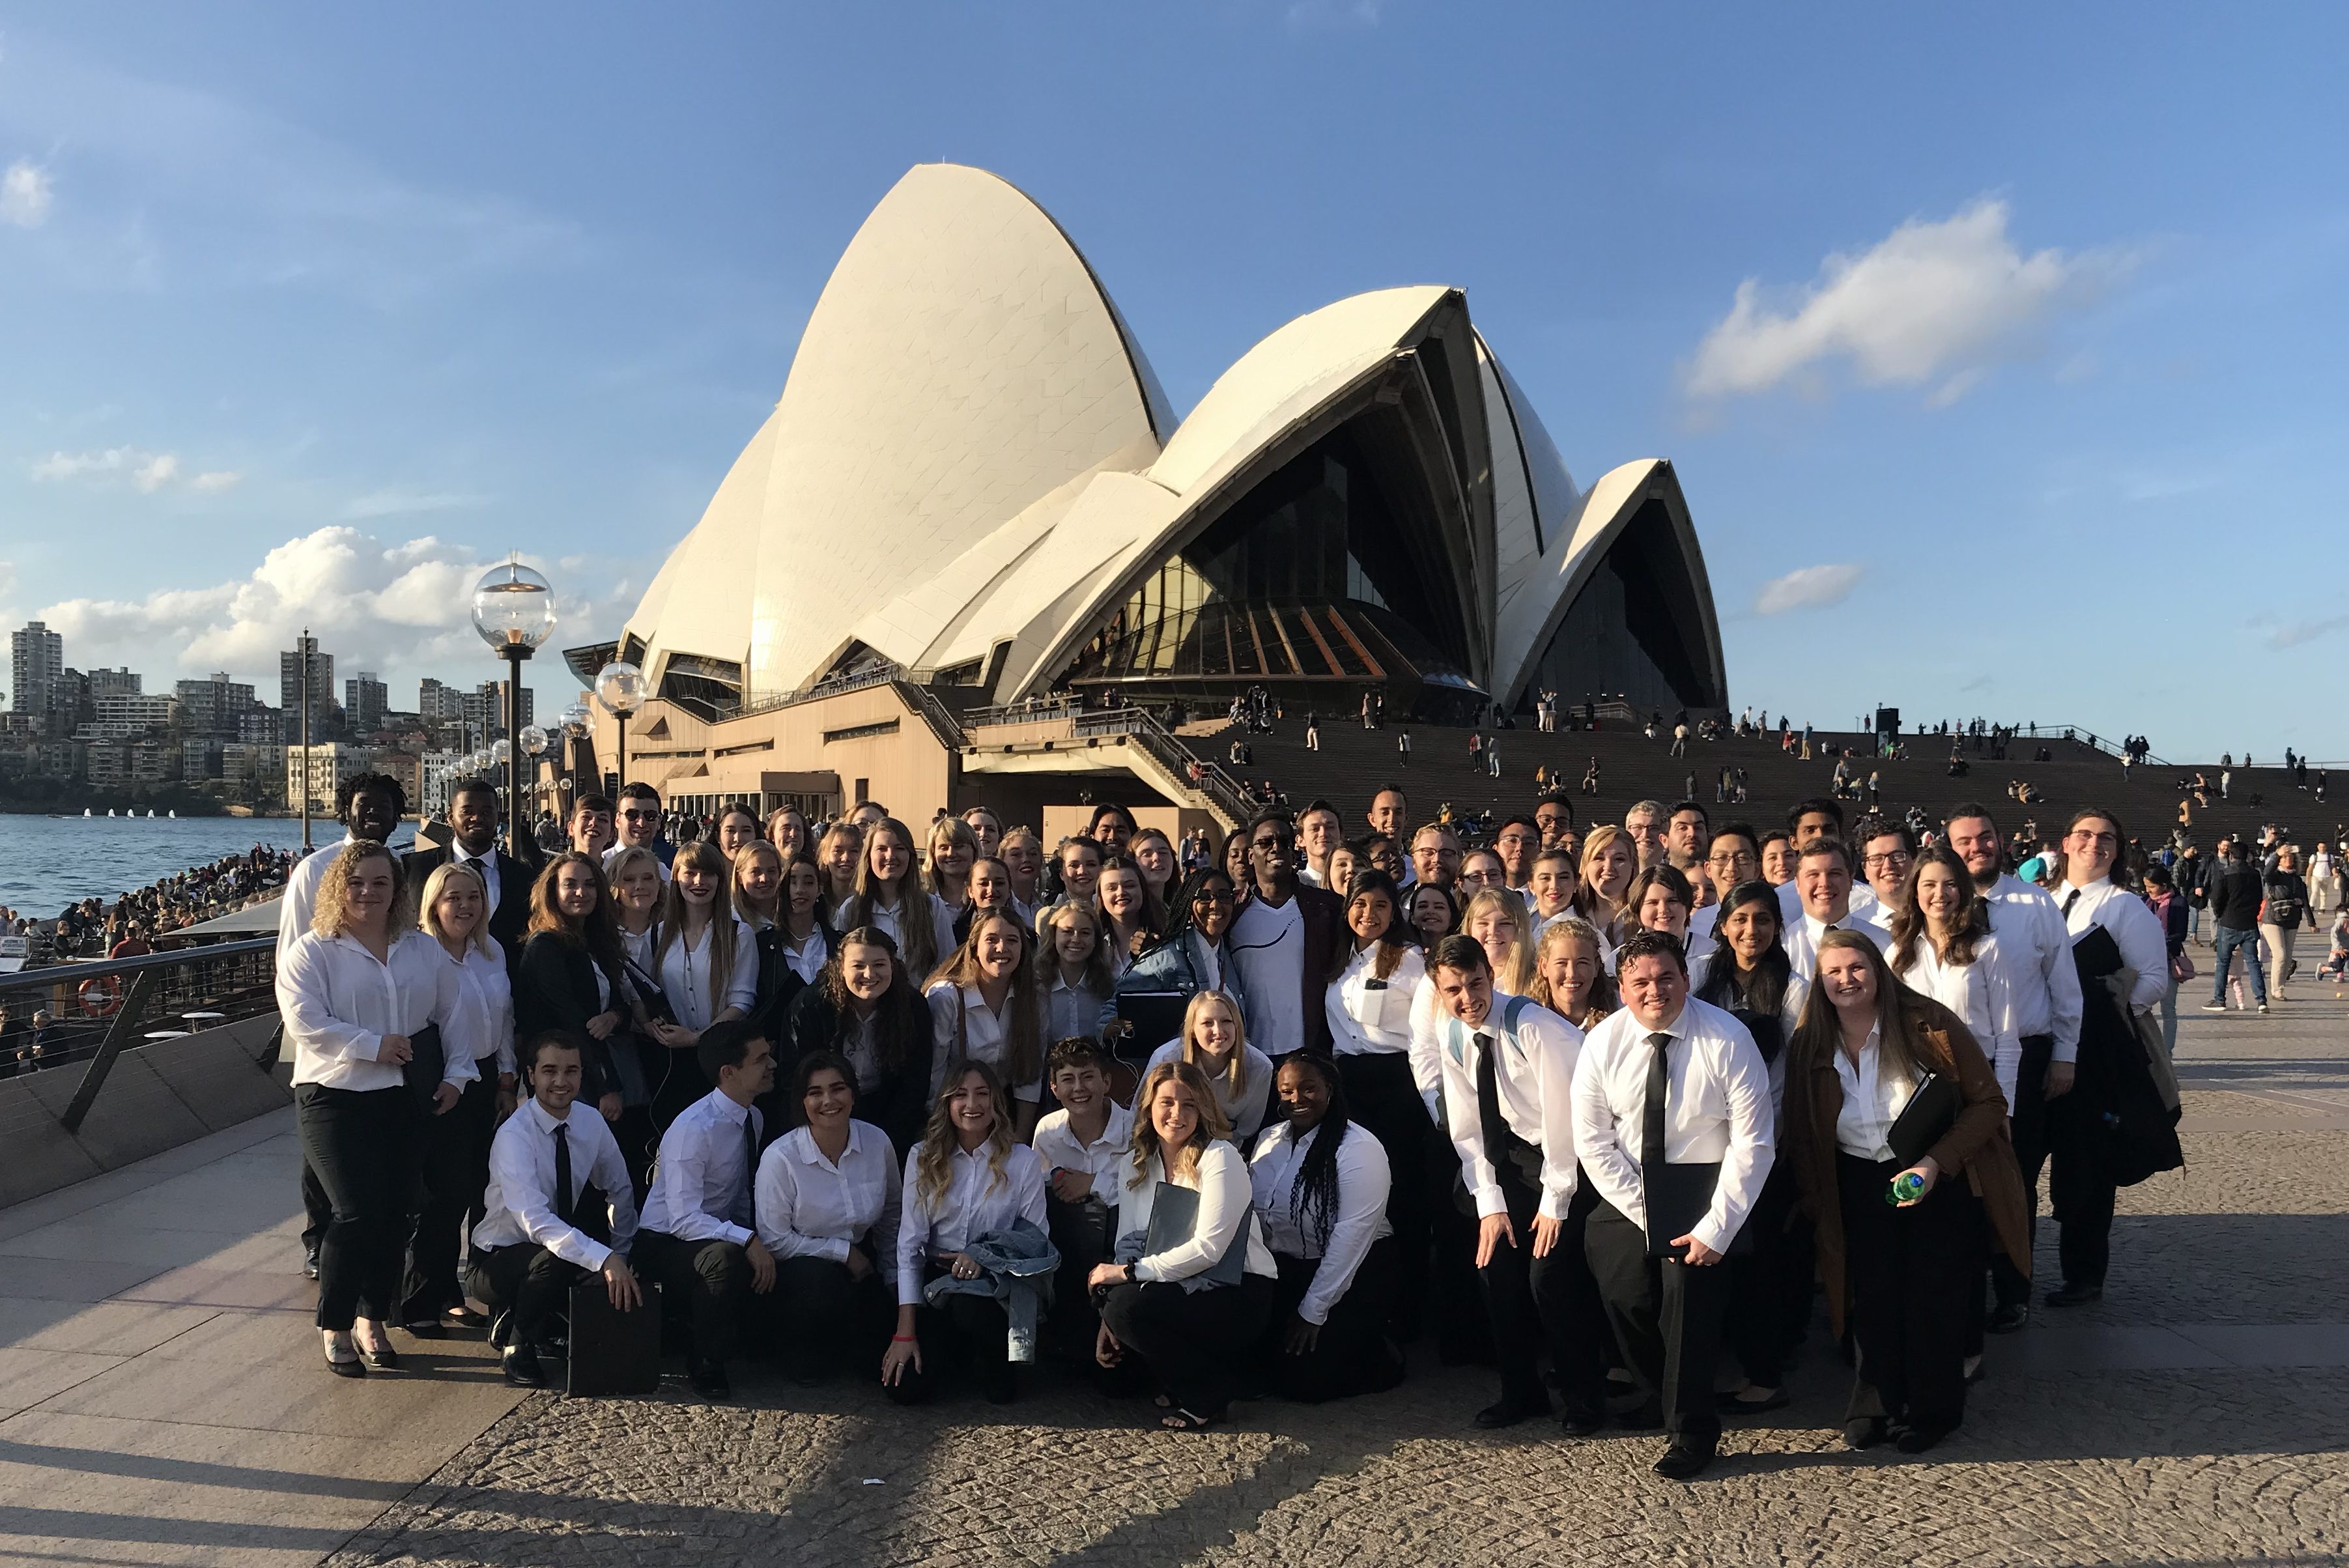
{"x": 1310, "y": 579}
{"x": 1633, "y": 630}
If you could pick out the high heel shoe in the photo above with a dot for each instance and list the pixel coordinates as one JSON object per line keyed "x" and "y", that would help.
{"x": 382, "y": 1357}
{"x": 342, "y": 1358}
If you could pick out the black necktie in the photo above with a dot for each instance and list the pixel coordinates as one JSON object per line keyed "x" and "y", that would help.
{"x": 2069, "y": 899}
{"x": 1652, "y": 1116}
{"x": 565, "y": 1196}
{"x": 1489, "y": 1119}
{"x": 750, "y": 1148}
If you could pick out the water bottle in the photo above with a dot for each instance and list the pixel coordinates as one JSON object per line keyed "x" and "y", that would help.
{"x": 1906, "y": 1187}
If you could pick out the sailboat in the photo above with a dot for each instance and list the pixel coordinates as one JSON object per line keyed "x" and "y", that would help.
{"x": 173, "y": 814}
{"x": 85, "y": 811}
{"x": 110, "y": 810}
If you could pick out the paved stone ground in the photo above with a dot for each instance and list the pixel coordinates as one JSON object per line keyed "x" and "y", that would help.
{"x": 2198, "y": 1415}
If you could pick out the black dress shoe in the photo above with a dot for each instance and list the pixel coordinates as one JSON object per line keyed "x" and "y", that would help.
{"x": 463, "y": 1317}
{"x": 2076, "y": 1295}
{"x": 426, "y": 1328}
{"x": 709, "y": 1379}
{"x": 2008, "y": 1317}
{"x": 310, "y": 1263}
{"x": 1917, "y": 1438}
{"x": 522, "y": 1370}
{"x": 1864, "y": 1433}
{"x": 1647, "y": 1417}
{"x": 1684, "y": 1459}
{"x": 501, "y": 1330}
{"x": 1506, "y": 1413}
{"x": 1583, "y": 1420}
{"x": 383, "y": 1358}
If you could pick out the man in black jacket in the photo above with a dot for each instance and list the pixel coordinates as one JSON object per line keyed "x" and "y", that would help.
{"x": 2234, "y": 887}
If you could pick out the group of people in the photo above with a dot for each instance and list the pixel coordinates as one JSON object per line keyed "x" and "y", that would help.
{"x": 90, "y": 927}
{"x": 924, "y": 1109}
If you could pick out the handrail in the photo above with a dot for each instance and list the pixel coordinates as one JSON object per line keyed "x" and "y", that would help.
{"x": 80, "y": 969}
{"x": 1003, "y": 713}
{"x": 943, "y": 723}
{"x": 1178, "y": 758}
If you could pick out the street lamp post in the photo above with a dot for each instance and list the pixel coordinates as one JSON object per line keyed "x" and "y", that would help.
{"x": 513, "y": 609}
{"x": 620, "y": 687}
{"x": 533, "y": 744}
{"x": 574, "y": 730}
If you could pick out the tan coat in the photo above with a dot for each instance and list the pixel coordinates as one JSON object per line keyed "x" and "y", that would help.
{"x": 1976, "y": 1144}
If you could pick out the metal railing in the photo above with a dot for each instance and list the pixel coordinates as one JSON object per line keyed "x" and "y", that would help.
{"x": 1179, "y": 759}
{"x": 942, "y": 722}
{"x": 1017, "y": 713}
{"x": 104, "y": 1007}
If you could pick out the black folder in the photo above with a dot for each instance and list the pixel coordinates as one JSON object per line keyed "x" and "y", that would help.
{"x": 1677, "y": 1196}
{"x": 1931, "y": 1111}
{"x": 613, "y": 1352}
{"x": 1156, "y": 1017}
{"x": 1175, "y": 1219}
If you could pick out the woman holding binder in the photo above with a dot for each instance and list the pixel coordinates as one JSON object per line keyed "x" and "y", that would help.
{"x": 1896, "y": 1132}
{"x": 1197, "y": 1282}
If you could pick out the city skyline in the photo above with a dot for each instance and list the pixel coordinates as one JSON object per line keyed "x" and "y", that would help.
{"x": 289, "y": 354}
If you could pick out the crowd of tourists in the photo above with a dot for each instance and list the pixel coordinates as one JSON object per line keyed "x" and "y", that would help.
{"x": 124, "y": 925}
{"x": 1605, "y": 1105}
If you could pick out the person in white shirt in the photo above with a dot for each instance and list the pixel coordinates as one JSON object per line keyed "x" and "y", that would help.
{"x": 826, "y": 1200}
{"x": 1193, "y": 1308}
{"x": 802, "y": 942}
{"x": 530, "y": 1246}
{"x": 1214, "y": 1041}
{"x": 984, "y": 1007}
{"x": 1748, "y": 976}
{"x": 890, "y": 895}
{"x": 355, "y": 995}
{"x": 1084, "y": 1147}
{"x": 369, "y": 807}
{"x": 1672, "y": 1116}
{"x": 455, "y": 1157}
{"x": 1824, "y": 902}
{"x": 1944, "y": 947}
{"x": 1811, "y": 820}
{"x": 707, "y": 963}
{"x": 1732, "y": 857}
{"x": 1073, "y": 976}
{"x": 965, "y": 1181}
{"x": 1371, "y": 1001}
{"x": 1320, "y": 830}
{"x": 1909, "y": 1263}
{"x": 1281, "y": 939}
{"x": 2089, "y": 893}
{"x": 1509, "y": 1077}
{"x": 2036, "y": 951}
{"x": 1661, "y": 900}
{"x": 1322, "y": 1188}
{"x": 698, "y": 1238}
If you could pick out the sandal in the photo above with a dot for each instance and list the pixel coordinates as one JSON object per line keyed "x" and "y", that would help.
{"x": 1179, "y": 1419}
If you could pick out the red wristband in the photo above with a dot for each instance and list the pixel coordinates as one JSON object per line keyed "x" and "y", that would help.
{"x": 902, "y": 1339}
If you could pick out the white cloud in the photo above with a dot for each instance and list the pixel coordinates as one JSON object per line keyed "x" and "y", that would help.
{"x": 147, "y": 472}
{"x": 1932, "y": 302}
{"x": 26, "y": 193}
{"x": 400, "y": 606}
{"x": 1807, "y": 587}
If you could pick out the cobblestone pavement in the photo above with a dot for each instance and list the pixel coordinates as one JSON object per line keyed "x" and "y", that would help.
{"x": 2225, "y": 1456}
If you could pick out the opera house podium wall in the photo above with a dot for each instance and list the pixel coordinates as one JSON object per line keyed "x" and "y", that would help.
{"x": 973, "y": 497}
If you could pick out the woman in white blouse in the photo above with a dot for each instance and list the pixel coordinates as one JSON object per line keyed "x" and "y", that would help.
{"x": 984, "y": 1008}
{"x": 1214, "y": 1041}
{"x": 705, "y": 962}
{"x": 1193, "y": 1305}
{"x": 890, "y": 895}
{"x": 838, "y": 855}
{"x": 967, "y": 1179}
{"x": 637, "y": 886}
{"x": 456, "y": 1152}
{"x": 827, "y": 1195}
{"x": 1369, "y": 1003}
{"x": 1942, "y": 945}
{"x": 355, "y": 991}
{"x": 1073, "y": 975}
{"x": 1322, "y": 1186}
{"x": 953, "y": 851}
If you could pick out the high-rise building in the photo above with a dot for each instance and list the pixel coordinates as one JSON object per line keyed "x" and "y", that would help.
{"x": 485, "y": 709}
{"x": 289, "y": 689}
{"x": 105, "y": 683}
{"x": 436, "y": 702}
{"x": 365, "y": 701}
{"x": 36, "y": 663}
{"x": 215, "y": 706}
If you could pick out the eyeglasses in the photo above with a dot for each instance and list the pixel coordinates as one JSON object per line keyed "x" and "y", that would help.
{"x": 1878, "y": 862}
{"x": 1211, "y": 896}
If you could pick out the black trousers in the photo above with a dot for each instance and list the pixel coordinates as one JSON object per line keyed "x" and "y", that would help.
{"x": 1194, "y": 1342}
{"x": 962, "y": 1334}
{"x": 1770, "y": 1287}
{"x": 2010, "y": 1284}
{"x": 454, "y": 1157}
{"x": 2080, "y": 1192}
{"x": 1380, "y": 1095}
{"x": 526, "y": 1280}
{"x": 822, "y": 1322}
{"x": 1667, "y": 1318}
{"x": 1910, "y": 1273}
{"x": 317, "y": 1212}
{"x": 1464, "y": 1329}
{"x": 1084, "y": 1235}
{"x": 1548, "y": 1303}
{"x": 1352, "y": 1354}
{"x": 708, "y": 1280}
{"x": 362, "y": 1143}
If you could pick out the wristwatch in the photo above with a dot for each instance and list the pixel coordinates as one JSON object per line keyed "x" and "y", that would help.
{"x": 1129, "y": 1273}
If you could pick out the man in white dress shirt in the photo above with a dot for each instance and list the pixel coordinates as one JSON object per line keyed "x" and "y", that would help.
{"x": 1084, "y": 1145}
{"x": 1320, "y": 831}
{"x": 1823, "y": 882}
{"x": 535, "y": 1239}
{"x": 1671, "y": 1100}
{"x": 1645, "y": 823}
{"x": 368, "y": 805}
{"x": 2035, "y": 950}
{"x": 1809, "y": 821}
{"x": 698, "y": 1237}
{"x": 1517, "y": 842}
{"x": 640, "y": 825}
{"x": 1886, "y": 850}
{"x": 1509, "y": 1086}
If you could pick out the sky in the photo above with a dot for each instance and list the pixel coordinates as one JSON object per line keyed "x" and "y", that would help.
{"x": 1998, "y": 348}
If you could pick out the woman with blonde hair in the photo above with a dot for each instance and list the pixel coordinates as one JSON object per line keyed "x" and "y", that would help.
{"x": 890, "y": 895}
{"x": 953, "y": 849}
{"x": 1571, "y": 977}
{"x": 1609, "y": 863}
{"x": 1022, "y": 851}
{"x": 838, "y": 855}
{"x": 983, "y": 1008}
{"x": 364, "y": 995}
{"x": 1498, "y": 919}
{"x": 1215, "y": 1042}
{"x": 967, "y": 1179}
{"x": 454, "y": 912}
{"x": 707, "y": 962}
{"x": 1899, "y": 1235}
{"x": 1193, "y": 1311}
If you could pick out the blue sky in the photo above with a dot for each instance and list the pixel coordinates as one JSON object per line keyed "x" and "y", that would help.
{"x": 1999, "y": 350}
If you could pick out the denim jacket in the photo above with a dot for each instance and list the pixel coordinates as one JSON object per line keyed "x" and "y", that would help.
{"x": 1172, "y": 965}
{"x": 1015, "y": 1267}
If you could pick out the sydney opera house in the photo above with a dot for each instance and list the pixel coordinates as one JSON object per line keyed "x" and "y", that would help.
{"x": 973, "y": 519}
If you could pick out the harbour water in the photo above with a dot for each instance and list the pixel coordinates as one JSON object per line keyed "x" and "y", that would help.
{"x": 47, "y": 862}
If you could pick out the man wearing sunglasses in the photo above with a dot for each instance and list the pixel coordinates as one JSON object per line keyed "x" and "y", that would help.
{"x": 640, "y": 826}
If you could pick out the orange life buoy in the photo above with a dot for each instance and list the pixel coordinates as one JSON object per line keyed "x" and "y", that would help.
{"x": 101, "y": 997}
